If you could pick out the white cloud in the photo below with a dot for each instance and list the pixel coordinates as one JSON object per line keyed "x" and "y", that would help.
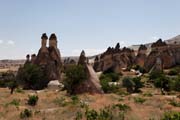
{"x": 10, "y": 42}
{"x": 89, "y": 52}
{"x": 155, "y": 38}
{"x": 1, "y": 41}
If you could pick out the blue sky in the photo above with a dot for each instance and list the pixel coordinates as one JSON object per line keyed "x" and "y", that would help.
{"x": 92, "y": 25}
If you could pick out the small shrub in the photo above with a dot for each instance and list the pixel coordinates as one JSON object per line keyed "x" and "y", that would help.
{"x": 139, "y": 100}
{"x": 171, "y": 116}
{"x": 112, "y": 77}
{"x": 138, "y": 84}
{"x": 123, "y": 107}
{"x": 33, "y": 99}
{"x": 141, "y": 69}
{"x": 79, "y": 115}
{"x": 129, "y": 84}
{"x": 176, "y": 84}
{"x": 107, "y": 88}
{"x": 155, "y": 74}
{"x": 174, "y": 103}
{"x": 105, "y": 114}
{"x": 74, "y": 99}
{"x": 91, "y": 115}
{"x": 60, "y": 102}
{"x": 26, "y": 114}
{"x": 173, "y": 72}
{"x": 15, "y": 102}
{"x": 19, "y": 90}
{"x": 148, "y": 94}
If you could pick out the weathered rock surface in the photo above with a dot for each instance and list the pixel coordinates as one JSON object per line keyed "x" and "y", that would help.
{"x": 48, "y": 58}
{"x": 114, "y": 59}
{"x": 141, "y": 56}
{"x": 168, "y": 55}
{"x": 92, "y": 84}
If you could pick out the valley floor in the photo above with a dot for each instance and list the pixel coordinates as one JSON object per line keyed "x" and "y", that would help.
{"x": 56, "y": 105}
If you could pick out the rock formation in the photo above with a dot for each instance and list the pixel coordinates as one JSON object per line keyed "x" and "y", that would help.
{"x": 92, "y": 84}
{"x": 114, "y": 59}
{"x": 162, "y": 55}
{"x": 141, "y": 56}
{"x": 167, "y": 55}
{"x": 48, "y": 58}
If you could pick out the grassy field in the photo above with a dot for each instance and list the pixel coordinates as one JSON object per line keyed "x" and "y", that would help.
{"x": 56, "y": 105}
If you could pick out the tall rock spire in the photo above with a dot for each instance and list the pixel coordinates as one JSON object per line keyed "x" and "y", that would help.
{"x": 44, "y": 40}
{"x": 53, "y": 41}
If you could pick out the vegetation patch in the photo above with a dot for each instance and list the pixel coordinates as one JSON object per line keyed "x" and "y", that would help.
{"x": 75, "y": 75}
{"x": 171, "y": 116}
{"x": 33, "y": 99}
{"x": 26, "y": 114}
{"x": 139, "y": 100}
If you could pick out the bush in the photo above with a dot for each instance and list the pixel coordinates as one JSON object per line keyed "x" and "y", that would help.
{"x": 7, "y": 79}
{"x": 174, "y": 103}
{"x": 155, "y": 74}
{"x": 129, "y": 84}
{"x": 60, "y": 101}
{"x": 176, "y": 84}
{"x": 26, "y": 114}
{"x": 19, "y": 90}
{"x": 33, "y": 99}
{"x": 74, "y": 99}
{"x": 171, "y": 116}
{"x": 15, "y": 102}
{"x": 32, "y": 77}
{"x": 173, "y": 72}
{"x": 139, "y": 100}
{"x": 113, "y": 77}
{"x": 91, "y": 115}
{"x": 138, "y": 84}
{"x": 12, "y": 85}
{"x": 107, "y": 88}
{"x": 75, "y": 75}
{"x": 123, "y": 107}
{"x": 79, "y": 116}
{"x": 141, "y": 69}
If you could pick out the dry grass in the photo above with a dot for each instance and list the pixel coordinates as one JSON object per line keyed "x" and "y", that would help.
{"x": 47, "y": 109}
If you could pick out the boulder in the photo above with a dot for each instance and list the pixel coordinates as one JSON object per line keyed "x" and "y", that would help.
{"x": 55, "y": 85}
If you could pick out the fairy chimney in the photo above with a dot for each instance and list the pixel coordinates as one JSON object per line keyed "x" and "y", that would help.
{"x": 53, "y": 41}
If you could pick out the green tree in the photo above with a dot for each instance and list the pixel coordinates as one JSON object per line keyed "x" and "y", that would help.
{"x": 129, "y": 84}
{"x": 138, "y": 84}
{"x": 32, "y": 77}
{"x": 75, "y": 75}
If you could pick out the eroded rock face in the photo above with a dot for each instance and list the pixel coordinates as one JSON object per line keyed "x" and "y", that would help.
{"x": 92, "y": 84}
{"x": 158, "y": 43}
{"x": 48, "y": 58}
{"x": 82, "y": 59}
{"x": 168, "y": 55}
{"x": 141, "y": 56}
{"x": 114, "y": 59}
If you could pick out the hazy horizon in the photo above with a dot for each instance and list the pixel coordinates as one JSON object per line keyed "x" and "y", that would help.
{"x": 88, "y": 25}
